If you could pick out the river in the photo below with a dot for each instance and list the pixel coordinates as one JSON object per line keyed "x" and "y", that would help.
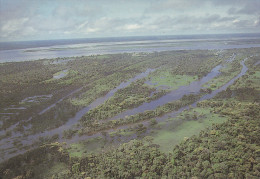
{"x": 7, "y": 142}
{"x": 194, "y": 87}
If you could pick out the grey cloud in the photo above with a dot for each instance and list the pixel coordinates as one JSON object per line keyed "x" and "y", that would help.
{"x": 106, "y": 26}
{"x": 242, "y": 23}
{"x": 212, "y": 18}
{"x": 186, "y": 23}
{"x": 232, "y": 10}
{"x": 228, "y": 2}
{"x": 10, "y": 10}
{"x": 193, "y": 19}
{"x": 176, "y": 5}
{"x": 235, "y": 6}
{"x": 84, "y": 18}
{"x": 251, "y": 8}
{"x": 77, "y": 11}
{"x": 23, "y": 19}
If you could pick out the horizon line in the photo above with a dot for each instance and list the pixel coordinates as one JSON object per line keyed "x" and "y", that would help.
{"x": 130, "y": 36}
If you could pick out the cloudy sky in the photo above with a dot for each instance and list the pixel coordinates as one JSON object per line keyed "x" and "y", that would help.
{"x": 64, "y": 19}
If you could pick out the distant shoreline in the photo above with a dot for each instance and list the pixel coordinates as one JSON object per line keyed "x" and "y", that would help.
{"x": 56, "y": 49}
{"x": 11, "y": 45}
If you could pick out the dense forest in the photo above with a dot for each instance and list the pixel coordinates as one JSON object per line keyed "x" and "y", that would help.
{"x": 147, "y": 115}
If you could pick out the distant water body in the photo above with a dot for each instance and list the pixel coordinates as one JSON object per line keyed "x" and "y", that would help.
{"x": 34, "y": 50}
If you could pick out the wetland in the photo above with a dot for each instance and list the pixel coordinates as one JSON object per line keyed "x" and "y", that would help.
{"x": 157, "y": 102}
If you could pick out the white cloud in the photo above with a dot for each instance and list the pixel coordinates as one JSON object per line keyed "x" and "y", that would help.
{"x": 257, "y": 22}
{"x": 82, "y": 25}
{"x": 26, "y": 20}
{"x": 132, "y": 27}
{"x": 12, "y": 26}
{"x": 91, "y": 30}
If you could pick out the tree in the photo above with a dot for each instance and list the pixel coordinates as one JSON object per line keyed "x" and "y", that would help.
{"x": 153, "y": 122}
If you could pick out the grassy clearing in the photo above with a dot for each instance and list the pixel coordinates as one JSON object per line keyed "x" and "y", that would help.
{"x": 57, "y": 168}
{"x": 121, "y": 135}
{"x": 102, "y": 56}
{"x": 165, "y": 78}
{"x": 76, "y": 150}
{"x": 83, "y": 148}
{"x": 124, "y": 133}
{"x": 94, "y": 144}
{"x": 172, "y": 135}
{"x": 97, "y": 144}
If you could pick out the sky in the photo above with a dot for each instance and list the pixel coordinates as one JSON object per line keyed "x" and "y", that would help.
{"x": 65, "y": 19}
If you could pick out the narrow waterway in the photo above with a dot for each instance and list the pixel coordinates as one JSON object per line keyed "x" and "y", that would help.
{"x": 188, "y": 89}
{"x": 12, "y": 127}
{"x": 193, "y": 88}
{"x": 257, "y": 63}
{"x": 207, "y": 96}
{"x": 7, "y": 142}
{"x": 168, "y": 115}
{"x": 60, "y": 100}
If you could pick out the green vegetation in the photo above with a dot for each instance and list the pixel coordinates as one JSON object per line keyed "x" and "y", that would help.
{"x": 199, "y": 156}
{"x": 219, "y": 138}
{"x": 91, "y": 126}
{"x": 76, "y": 150}
{"x": 187, "y": 124}
{"x": 54, "y": 159}
{"x": 165, "y": 78}
{"x": 129, "y": 97}
{"x": 229, "y": 71}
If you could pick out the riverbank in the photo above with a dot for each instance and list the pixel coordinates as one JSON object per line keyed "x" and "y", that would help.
{"x": 95, "y": 109}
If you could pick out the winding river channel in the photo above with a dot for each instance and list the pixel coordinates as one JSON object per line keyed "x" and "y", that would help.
{"x": 198, "y": 84}
{"x": 192, "y": 88}
{"x": 207, "y": 96}
{"x": 6, "y": 144}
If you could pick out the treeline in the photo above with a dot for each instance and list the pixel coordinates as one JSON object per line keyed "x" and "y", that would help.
{"x": 35, "y": 163}
{"x": 98, "y": 74}
{"x": 191, "y": 63}
{"x": 22, "y": 79}
{"x": 228, "y": 150}
{"x": 91, "y": 126}
{"x": 129, "y": 97}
